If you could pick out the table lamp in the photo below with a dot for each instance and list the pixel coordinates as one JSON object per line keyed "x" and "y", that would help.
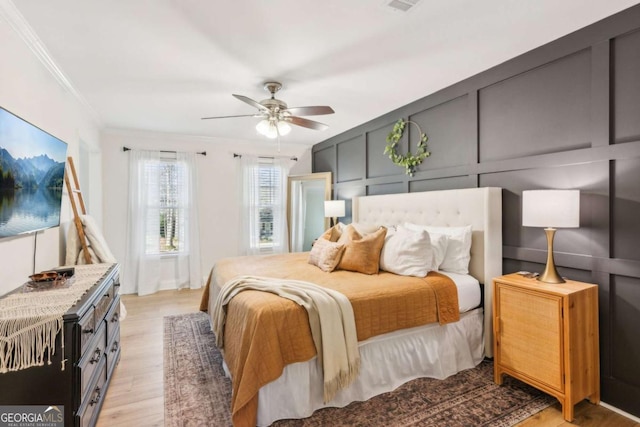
{"x": 551, "y": 209}
{"x": 333, "y": 209}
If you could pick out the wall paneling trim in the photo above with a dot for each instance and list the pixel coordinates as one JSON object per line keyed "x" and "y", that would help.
{"x": 565, "y": 115}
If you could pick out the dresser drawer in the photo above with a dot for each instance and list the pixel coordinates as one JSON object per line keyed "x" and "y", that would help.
{"x": 113, "y": 319}
{"x": 87, "y": 326}
{"x": 113, "y": 352}
{"x": 91, "y": 359}
{"x": 103, "y": 303}
{"x": 90, "y": 406}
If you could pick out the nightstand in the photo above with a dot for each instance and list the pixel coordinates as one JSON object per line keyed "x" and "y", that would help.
{"x": 547, "y": 336}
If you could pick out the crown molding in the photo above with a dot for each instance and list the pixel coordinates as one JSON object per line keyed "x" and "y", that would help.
{"x": 19, "y": 24}
{"x": 142, "y": 133}
{"x": 202, "y": 142}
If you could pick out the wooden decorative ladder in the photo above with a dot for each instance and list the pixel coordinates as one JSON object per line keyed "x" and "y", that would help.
{"x": 75, "y": 195}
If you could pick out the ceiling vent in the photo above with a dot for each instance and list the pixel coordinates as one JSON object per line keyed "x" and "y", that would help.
{"x": 402, "y": 5}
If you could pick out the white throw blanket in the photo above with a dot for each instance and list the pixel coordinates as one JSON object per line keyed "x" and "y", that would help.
{"x": 330, "y": 317}
{"x": 99, "y": 251}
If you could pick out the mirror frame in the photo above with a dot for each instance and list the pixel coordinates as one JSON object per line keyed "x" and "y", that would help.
{"x": 318, "y": 176}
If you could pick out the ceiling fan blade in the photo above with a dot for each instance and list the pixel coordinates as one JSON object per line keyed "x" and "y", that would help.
{"x": 306, "y": 123}
{"x": 228, "y": 117}
{"x": 251, "y": 102}
{"x": 317, "y": 110}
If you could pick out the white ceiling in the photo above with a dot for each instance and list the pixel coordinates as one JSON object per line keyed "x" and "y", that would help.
{"x": 161, "y": 65}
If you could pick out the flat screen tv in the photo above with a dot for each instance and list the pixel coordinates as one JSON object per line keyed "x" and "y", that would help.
{"x": 31, "y": 176}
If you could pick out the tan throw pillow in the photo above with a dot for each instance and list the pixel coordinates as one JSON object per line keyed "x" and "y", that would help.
{"x": 334, "y": 233}
{"x": 325, "y": 254}
{"x": 361, "y": 254}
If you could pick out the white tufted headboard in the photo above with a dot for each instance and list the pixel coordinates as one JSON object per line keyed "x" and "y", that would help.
{"x": 479, "y": 207}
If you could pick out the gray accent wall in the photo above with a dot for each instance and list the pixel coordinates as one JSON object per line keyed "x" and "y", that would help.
{"x": 565, "y": 115}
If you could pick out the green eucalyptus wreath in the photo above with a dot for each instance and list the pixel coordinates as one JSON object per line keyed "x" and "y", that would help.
{"x": 408, "y": 161}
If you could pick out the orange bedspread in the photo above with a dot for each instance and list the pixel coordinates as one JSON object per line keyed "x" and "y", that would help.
{"x": 264, "y": 332}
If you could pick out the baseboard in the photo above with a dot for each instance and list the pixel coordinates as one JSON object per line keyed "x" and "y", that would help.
{"x": 620, "y": 411}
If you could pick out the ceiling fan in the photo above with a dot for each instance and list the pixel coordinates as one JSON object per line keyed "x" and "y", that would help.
{"x": 277, "y": 116}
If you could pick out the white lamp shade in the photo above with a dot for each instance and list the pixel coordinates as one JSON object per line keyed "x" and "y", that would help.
{"x": 263, "y": 127}
{"x": 283, "y": 128}
{"x": 551, "y": 208}
{"x": 334, "y": 208}
{"x": 271, "y": 128}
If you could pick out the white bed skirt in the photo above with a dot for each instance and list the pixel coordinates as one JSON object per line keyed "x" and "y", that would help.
{"x": 387, "y": 361}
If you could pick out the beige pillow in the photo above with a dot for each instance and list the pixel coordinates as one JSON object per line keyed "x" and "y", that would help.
{"x": 325, "y": 254}
{"x": 334, "y": 233}
{"x": 365, "y": 228}
{"x": 361, "y": 254}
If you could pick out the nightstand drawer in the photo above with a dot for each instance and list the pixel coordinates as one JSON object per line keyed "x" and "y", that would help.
{"x": 530, "y": 334}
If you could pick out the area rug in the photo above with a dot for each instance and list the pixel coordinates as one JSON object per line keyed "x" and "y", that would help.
{"x": 197, "y": 393}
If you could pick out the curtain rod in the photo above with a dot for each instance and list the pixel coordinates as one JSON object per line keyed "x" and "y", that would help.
{"x": 294, "y": 158}
{"x": 203, "y": 153}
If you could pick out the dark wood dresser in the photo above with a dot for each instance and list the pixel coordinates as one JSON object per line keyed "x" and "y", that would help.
{"x": 92, "y": 350}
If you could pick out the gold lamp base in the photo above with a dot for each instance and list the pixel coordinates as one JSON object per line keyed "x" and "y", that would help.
{"x": 550, "y": 274}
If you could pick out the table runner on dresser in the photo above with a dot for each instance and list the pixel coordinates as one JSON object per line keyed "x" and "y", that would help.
{"x": 30, "y": 322}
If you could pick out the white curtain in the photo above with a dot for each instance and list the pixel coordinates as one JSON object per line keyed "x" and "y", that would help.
{"x": 188, "y": 263}
{"x": 263, "y": 185}
{"x": 298, "y": 214}
{"x": 151, "y": 263}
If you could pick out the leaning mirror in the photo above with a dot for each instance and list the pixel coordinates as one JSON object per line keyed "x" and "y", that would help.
{"x": 305, "y": 213}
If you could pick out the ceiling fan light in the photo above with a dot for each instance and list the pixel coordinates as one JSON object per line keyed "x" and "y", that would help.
{"x": 263, "y": 127}
{"x": 272, "y": 131}
{"x": 284, "y": 128}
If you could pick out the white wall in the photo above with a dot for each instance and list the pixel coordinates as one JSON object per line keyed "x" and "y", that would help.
{"x": 217, "y": 179}
{"x": 28, "y": 90}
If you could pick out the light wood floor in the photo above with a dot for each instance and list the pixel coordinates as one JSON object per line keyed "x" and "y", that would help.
{"x": 135, "y": 396}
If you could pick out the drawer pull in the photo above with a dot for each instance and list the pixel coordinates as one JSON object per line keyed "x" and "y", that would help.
{"x": 115, "y": 317}
{"x": 114, "y": 347}
{"x": 96, "y": 357}
{"x": 96, "y": 399}
{"x": 87, "y": 331}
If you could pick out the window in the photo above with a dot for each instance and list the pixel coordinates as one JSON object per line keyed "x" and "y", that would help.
{"x": 263, "y": 215}
{"x": 163, "y": 238}
{"x": 269, "y": 202}
{"x": 167, "y": 211}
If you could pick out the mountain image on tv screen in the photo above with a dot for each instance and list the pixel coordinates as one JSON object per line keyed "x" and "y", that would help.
{"x": 32, "y": 166}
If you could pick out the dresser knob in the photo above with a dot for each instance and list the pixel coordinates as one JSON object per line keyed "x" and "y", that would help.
{"x": 87, "y": 331}
{"x": 115, "y": 317}
{"x": 114, "y": 347}
{"x": 96, "y": 399}
{"x": 96, "y": 357}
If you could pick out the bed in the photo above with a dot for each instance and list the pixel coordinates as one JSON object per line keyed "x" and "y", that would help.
{"x": 391, "y": 358}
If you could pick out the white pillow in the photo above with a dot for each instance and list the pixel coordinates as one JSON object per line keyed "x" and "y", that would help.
{"x": 458, "y": 253}
{"x": 439, "y": 244}
{"x": 407, "y": 253}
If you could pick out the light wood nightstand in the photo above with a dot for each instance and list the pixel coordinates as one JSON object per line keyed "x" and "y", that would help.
{"x": 547, "y": 336}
